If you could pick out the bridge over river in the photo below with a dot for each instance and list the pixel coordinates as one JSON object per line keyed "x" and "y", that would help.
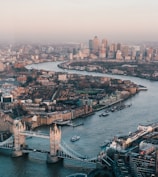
{"x": 58, "y": 149}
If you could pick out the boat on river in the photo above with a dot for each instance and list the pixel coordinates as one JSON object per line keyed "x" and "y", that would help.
{"x": 104, "y": 115}
{"x": 78, "y": 175}
{"x": 75, "y": 124}
{"x": 75, "y": 138}
{"x": 61, "y": 122}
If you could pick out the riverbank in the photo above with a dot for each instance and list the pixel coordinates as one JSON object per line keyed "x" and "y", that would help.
{"x": 111, "y": 104}
{"x": 93, "y": 133}
{"x": 106, "y": 99}
{"x": 133, "y": 69}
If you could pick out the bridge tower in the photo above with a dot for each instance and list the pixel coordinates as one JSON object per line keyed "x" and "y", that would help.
{"x": 19, "y": 140}
{"x": 55, "y": 138}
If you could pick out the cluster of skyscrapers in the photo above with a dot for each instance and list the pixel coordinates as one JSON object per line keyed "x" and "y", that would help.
{"x": 103, "y": 49}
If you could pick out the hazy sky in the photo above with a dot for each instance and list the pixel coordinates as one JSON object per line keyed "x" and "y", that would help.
{"x": 77, "y": 20}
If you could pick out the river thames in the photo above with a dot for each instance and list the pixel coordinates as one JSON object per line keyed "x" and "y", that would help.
{"x": 94, "y": 131}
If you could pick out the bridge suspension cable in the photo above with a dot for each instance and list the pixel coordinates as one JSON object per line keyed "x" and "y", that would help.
{"x": 67, "y": 150}
{"x": 73, "y": 154}
{"x": 7, "y": 144}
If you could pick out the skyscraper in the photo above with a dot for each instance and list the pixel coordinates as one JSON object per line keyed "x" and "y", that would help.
{"x": 125, "y": 50}
{"x": 91, "y": 45}
{"x": 102, "y": 51}
{"x": 113, "y": 47}
{"x": 118, "y": 47}
{"x": 95, "y": 45}
{"x": 105, "y": 43}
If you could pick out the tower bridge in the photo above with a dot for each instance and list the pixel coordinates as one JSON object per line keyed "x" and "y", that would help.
{"x": 58, "y": 149}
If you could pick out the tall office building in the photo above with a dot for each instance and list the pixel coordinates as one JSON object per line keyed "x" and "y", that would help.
{"x": 105, "y": 43}
{"x": 113, "y": 47}
{"x": 91, "y": 45}
{"x": 118, "y": 47}
{"x": 149, "y": 54}
{"x": 102, "y": 51}
{"x": 125, "y": 50}
{"x": 118, "y": 55}
{"x": 95, "y": 44}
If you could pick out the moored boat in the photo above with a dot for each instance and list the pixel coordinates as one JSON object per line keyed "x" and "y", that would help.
{"x": 103, "y": 114}
{"x": 78, "y": 175}
{"x": 61, "y": 122}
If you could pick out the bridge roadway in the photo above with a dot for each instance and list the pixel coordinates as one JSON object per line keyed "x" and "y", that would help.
{"x": 27, "y": 150}
{"x": 61, "y": 154}
{"x": 64, "y": 152}
{"x": 35, "y": 134}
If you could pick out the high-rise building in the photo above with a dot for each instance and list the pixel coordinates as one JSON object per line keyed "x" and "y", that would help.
{"x": 102, "y": 51}
{"x": 105, "y": 43}
{"x": 91, "y": 45}
{"x": 95, "y": 44}
{"x": 118, "y": 55}
{"x": 113, "y": 47}
{"x": 133, "y": 53}
{"x": 149, "y": 54}
{"x": 118, "y": 47}
{"x": 125, "y": 50}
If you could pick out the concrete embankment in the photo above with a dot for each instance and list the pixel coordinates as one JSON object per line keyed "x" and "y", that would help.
{"x": 109, "y": 105}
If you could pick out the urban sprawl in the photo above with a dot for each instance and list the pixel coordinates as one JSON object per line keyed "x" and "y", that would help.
{"x": 40, "y": 97}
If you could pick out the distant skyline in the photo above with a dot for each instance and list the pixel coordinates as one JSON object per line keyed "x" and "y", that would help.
{"x": 79, "y": 20}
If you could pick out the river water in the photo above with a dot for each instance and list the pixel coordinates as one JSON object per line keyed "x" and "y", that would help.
{"x": 94, "y": 131}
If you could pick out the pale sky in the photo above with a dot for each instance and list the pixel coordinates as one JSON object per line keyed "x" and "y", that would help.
{"x": 77, "y": 20}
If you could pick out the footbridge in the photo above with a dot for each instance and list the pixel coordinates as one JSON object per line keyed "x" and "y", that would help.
{"x": 58, "y": 149}
{"x": 35, "y": 134}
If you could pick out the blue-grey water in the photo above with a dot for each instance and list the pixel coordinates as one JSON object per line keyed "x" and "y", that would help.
{"x": 95, "y": 130}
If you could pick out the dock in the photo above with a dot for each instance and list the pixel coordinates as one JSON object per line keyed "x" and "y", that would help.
{"x": 109, "y": 105}
{"x": 75, "y": 125}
